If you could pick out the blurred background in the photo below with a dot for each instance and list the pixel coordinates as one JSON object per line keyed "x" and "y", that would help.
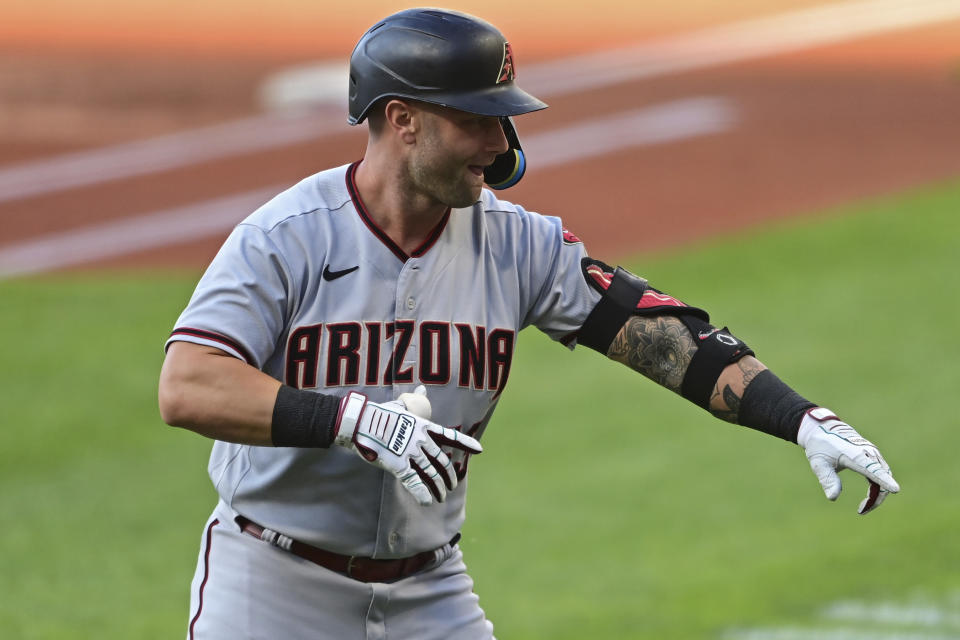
{"x": 716, "y": 115}
{"x": 764, "y": 159}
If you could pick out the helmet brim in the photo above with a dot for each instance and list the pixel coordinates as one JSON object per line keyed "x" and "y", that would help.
{"x": 500, "y": 100}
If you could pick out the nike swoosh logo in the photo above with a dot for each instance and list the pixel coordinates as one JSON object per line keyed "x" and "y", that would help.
{"x": 333, "y": 275}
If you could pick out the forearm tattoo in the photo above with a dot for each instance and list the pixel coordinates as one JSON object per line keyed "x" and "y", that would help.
{"x": 659, "y": 347}
{"x": 725, "y": 401}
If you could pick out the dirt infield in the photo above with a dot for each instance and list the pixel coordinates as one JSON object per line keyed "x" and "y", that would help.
{"x": 303, "y": 29}
{"x": 812, "y": 129}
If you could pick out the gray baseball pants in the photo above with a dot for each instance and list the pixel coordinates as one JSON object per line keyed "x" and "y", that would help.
{"x": 245, "y": 588}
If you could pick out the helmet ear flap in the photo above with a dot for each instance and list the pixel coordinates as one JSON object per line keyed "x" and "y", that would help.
{"x": 508, "y": 167}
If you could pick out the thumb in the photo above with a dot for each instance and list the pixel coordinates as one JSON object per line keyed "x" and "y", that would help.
{"x": 417, "y": 402}
{"x": 827, "y": 475}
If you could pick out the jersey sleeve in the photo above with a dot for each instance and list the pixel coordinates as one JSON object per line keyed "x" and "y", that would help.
{"x": 243, "y": 299}
{"x": 560, "y": 297}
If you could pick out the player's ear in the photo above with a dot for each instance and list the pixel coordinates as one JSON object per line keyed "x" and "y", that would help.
{"x": 402, "y": 118}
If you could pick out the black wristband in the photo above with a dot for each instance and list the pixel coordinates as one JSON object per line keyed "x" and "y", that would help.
{"x": 769, "y": 405}
{"x": 303, "y": 418}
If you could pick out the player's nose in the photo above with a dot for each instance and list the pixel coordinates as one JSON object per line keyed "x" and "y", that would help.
{"x": 497, "y": 139}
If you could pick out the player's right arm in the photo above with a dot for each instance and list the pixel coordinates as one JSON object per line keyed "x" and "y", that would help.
{"x": 243, "y": 303}
{"x": 210, "y": 392}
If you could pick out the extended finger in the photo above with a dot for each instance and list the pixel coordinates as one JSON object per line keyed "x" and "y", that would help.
{"x": 430, "y": 477}
{"x": 871, "y": 465}
{"x": 884, "y": 477}
{"x": 886, "y": 481}
{"x": 445, "y": 436}
{"x": 413, "y": 483}
{"x": 441, "y": 462}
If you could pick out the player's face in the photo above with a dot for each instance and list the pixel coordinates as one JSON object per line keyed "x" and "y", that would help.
{"x": 453, "y": 148}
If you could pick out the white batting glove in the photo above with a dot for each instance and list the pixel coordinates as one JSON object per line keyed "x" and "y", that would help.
{"x": 396, "y": 437}
{"x": 832, "y": 445}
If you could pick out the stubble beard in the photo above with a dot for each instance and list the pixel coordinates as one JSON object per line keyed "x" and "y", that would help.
{"x": 438, "y": 175}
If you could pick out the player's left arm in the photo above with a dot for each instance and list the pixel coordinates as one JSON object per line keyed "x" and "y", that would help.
{"x": 661, "y": 348}
{"x": 675, "y": 346}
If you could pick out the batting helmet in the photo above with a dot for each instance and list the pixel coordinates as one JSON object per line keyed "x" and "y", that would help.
{"x": 439, "y": 56}
{"x": 447, "y": 58}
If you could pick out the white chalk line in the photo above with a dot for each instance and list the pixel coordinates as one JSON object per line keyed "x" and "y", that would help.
{"x": 918, "y": 620}
{"x": 658, "y": 124}
{"x": 919, "y": 615}
{"x": 750, "y": 39}
{"x": 790, "y": 633}
{"x": 326, "y": 83}
{"x": 152, "y": 155}
{"x": 301, "y": 87}
{"x": 123, "y": 237}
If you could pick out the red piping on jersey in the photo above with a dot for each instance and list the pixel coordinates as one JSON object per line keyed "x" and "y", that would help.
{"x": 215, "y": 337}
{"x": 206, "y": 574}
{"x": 377, "y": 231}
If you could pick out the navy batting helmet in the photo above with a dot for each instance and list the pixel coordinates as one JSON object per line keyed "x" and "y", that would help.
{"x": 447, "y": 58}
{"x": 439, "y": 56}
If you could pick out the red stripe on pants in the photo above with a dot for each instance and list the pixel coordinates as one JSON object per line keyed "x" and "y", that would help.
{"x": 206, "y": 574}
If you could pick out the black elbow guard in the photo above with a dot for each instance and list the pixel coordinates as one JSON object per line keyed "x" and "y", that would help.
{"x": 622, "y": 295}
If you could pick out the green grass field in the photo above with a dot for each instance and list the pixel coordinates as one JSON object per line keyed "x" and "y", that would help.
{"x": 603, "y": 507}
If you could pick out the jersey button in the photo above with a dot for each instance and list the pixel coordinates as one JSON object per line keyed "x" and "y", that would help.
{"x": 411, "y": 303}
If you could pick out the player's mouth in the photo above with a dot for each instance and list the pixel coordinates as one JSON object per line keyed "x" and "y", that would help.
{"x": 478, "y": 169}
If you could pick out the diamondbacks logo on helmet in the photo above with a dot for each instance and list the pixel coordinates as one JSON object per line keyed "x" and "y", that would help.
{"x": 507, "y": 71}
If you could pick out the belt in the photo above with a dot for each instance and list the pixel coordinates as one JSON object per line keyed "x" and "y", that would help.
{"x": 358, "y": 568}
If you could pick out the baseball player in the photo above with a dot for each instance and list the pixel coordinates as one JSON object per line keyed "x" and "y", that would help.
{"x": 347, "y": 346}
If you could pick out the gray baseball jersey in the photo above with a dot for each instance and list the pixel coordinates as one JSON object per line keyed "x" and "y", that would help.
{"x": 309, "y": 290}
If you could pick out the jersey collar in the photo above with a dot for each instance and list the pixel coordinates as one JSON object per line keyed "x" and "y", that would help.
{"x": 377, "y": 231}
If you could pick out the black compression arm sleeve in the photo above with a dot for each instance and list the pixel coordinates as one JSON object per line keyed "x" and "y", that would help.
{"x": 303, "y": 418}
{"x": 769, "y": 405}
